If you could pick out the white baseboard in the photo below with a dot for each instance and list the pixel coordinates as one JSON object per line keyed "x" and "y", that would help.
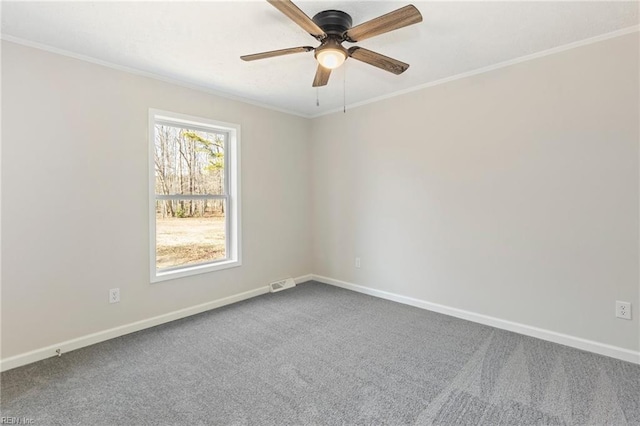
{"x": 101, "y": 336}
{"x": 527, "y": 330}
{"x": 303, "y": 278}
{"x": 552, "y": 336}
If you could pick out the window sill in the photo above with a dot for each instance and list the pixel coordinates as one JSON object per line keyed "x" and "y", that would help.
{"x": 193, "y": 270}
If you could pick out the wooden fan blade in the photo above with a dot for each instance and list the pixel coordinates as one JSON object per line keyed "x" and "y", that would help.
{"x": 377, "y": 60}
{"x": 399, "y": 18}
{"x": 273, "y": 53}
{"x": 322, "y": 76}
{"x": 299, "y": 17}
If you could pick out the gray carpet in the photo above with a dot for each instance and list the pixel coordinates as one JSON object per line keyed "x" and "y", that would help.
{"x": 317, "y": 354}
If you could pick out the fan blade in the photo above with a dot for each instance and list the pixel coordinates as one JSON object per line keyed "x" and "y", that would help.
{"x": 377, "y": 60}
{"x": 299, "y": 17}
{"x": 273, "y": 53}
{"x": 322, "y": 76}
{"x": 399, "y": 18}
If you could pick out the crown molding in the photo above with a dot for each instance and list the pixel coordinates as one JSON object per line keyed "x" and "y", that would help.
{"x": 135, "y": 71}
{"x": 499, "y": 65}
{"x": 504, "y": 64}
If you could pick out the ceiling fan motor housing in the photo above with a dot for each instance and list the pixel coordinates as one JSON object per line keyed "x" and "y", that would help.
{"x": 333, "y": 22}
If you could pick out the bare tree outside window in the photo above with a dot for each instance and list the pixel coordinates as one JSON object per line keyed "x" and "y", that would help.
{"x": 191, "y": 196}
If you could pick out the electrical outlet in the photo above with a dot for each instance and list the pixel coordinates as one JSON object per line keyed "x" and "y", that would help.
{"x": 114, "y": 295}
{"x": 623, "y": 310}
{"x": 357, "y": 262}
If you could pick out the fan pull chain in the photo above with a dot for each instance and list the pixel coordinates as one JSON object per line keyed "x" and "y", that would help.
{"x": 344, "y": 90}
{"x": 317, "y": 97}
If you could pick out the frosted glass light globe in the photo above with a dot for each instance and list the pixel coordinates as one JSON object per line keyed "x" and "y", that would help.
{"x": 331, "y": 58}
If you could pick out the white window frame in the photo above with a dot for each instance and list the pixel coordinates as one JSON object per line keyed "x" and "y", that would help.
{"x": 232, "y": 182}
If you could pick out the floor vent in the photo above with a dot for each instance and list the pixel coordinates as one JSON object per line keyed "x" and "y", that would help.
{"x": 282, "y": 285}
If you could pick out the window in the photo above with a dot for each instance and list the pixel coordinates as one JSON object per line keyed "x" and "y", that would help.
{"x": 194, "y": 198}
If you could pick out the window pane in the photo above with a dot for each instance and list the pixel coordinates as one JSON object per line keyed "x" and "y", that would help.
{"x": 188, "y": 161}
{"x": 189, "y": 232}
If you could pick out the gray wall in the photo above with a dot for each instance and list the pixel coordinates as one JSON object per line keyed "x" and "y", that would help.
{"x": 75, "y": 198}
{"x": 512, "y": 194}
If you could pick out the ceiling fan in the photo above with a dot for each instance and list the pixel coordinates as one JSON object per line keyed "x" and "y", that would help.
{"x": 333, "y": 27}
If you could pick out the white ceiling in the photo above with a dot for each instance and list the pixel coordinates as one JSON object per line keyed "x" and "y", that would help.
{"x": 200, "y": 42}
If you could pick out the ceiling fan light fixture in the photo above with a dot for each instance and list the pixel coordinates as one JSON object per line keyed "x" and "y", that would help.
{"x": 331, "y": 54}
{"x": 331, "y": 58}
